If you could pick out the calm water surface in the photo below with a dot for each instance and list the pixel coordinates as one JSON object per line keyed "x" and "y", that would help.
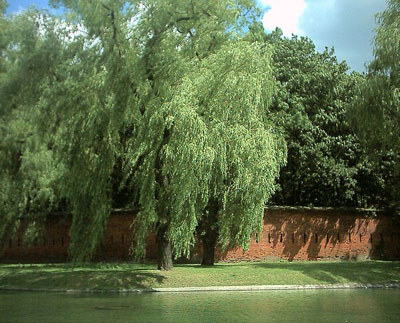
{"x": 263, "y": 306}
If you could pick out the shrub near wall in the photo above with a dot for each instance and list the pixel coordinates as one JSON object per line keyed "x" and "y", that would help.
{"x": 288, "y": 233}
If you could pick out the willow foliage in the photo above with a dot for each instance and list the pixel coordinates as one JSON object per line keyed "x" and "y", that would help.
{"x": 209, "y": 140}
{"x": 375, "y": 113}
{"x": 171, "y": 96}
{"x": 29, "y": 174}
{"x": 170, "y": 89}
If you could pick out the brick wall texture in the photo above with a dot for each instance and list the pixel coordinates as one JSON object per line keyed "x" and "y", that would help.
{"x": 288, "y": 233}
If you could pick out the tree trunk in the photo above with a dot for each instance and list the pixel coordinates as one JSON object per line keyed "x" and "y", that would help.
{"x": 210, "y": 237}
{"x": 164, "y": 250}
{"x": 209, "y": 241}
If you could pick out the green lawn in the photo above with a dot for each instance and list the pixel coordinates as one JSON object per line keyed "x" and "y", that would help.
{"x": 106, "y": 276}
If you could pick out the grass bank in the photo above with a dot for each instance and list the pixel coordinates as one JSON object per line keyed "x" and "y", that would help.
{"x": 115, "y": 276}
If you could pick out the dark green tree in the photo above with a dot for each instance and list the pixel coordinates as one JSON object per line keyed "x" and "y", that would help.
{"x": 326, "y": 163}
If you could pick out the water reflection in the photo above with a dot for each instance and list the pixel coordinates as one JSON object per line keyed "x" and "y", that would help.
{"x": 263, "y": 306}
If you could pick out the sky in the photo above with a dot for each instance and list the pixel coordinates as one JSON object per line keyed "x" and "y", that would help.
{"x": 346, "y": 25}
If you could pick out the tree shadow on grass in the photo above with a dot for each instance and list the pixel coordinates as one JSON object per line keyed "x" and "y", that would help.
{"x": 99, "y": 279}
{"x": 357, "y": 272}
{"x": 198, "y": 266}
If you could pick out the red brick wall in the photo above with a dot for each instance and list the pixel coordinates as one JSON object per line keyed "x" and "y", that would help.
{"x": 312, "y": 234}
{"x": 288, "y": 233}
{"x": 53, "y": 247}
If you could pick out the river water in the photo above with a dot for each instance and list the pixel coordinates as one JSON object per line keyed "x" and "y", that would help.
{"x": 263, "y": 306}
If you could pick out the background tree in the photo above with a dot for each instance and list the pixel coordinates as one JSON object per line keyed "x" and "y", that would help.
{"x": 326, "y": 163}
{"x": 375, "y": 113}
{"x": 29, "y": 175}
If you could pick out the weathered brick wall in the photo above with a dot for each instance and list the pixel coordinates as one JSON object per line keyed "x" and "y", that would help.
{"x": 288, "y": 233}
{"x": 312, "y": 234}
{"x": 52, "y": 247}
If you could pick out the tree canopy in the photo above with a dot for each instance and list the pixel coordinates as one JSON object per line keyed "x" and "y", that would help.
{"x": 167, "y": 101}
{"x": 327, "y": 165}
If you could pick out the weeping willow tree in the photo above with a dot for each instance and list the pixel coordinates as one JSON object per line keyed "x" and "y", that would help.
{"x": 153, "y": 83}
{"x": 91, "y": 106}
{"x": 29, "y": 174}
{"x": 171, "y": 91}
{"x": 208, "y": 158}
{"x": 202, "y": 148}
{"x": 375, "y": 113}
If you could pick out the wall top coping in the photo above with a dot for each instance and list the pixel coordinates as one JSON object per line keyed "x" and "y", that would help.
{"x": 366, "y": 212}
{"x": 370, "y": 212}
{"x": 321, "y": 208}
{"x": 294, "y": 208}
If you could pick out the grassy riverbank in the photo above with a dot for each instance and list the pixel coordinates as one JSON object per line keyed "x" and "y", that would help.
{"x": 115, "y": 276}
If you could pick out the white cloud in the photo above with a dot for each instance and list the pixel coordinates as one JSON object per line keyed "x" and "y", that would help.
{"x": 284, "y": 14}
